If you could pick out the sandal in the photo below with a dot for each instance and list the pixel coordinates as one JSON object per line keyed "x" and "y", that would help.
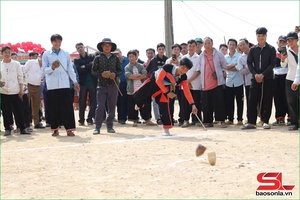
{"x": 70, "y": 133}
{"x": 55, "y": 133}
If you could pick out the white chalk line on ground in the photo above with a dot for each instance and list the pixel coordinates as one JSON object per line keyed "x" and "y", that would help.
{"x": 148, "y": 138}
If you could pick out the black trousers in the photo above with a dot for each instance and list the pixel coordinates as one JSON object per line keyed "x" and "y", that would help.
{"x": 83, "y": 93}
{"x": 236, "y": 93}
{"x": 256, "y": 90}
{"x": 122, "y": 105}
{"x": 61, "y": 109}
{"x": 280, "y": 98}
{"x": 247, "y": 91}
{"x": 133, "y": 114}
{"x": 293, "y": 102}
{"x": 213, "y": 102}
{"x": 187, "y": 108}
{"x": 8, "y": 104}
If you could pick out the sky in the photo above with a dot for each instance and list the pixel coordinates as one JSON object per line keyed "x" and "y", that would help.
{"x": 140, "y": 24}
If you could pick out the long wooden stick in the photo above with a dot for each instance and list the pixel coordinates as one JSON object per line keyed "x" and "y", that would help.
{"x": 118, "y": 87}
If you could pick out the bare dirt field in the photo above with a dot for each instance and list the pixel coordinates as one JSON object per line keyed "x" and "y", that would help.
{"x": 138, "y": 162}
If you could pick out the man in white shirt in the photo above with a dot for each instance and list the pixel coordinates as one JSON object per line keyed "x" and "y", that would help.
{"x": 194, "y": 85}
{"x": 34, "y": 76}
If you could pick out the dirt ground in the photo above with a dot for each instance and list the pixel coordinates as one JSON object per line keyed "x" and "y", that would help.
{"x": 138, "y": 162}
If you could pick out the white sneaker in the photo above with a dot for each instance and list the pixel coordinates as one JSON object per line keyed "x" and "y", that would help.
{"x": 266, "y": 126}
{"x": 166, "y": 132}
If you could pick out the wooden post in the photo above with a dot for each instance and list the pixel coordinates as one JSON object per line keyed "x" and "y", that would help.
{"x": 169, "y": 37}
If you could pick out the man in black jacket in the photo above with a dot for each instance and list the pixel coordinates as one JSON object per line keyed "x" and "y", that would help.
{"x": 261, "y": 61}
{"x": 87, "y": 83}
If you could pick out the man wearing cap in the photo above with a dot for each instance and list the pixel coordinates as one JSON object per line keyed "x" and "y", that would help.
{"x": 108, "y": 68}
{"x": 280, "y": 102}
{"x": 261, "y": 61}
{"x": 291, "y": 59}
{"x": 199, "y": 45}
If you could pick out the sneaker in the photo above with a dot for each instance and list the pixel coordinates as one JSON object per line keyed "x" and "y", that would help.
{"x": 48, "y": 125}
{"x": 96, "y": 131}
{"x": 289, "y": 123}
{"x": 29, "y": 129}
{"x": 166, "y": 132}
{"x": 185, "y": 124}
{"x": 193, "y": 123}
{"x": 25, "y": 132}
{"x": 39, "y": 125}
{"x": 266, "y": 126}
{"x": 7, "y": 133}
{"x": 111, "y": 130}
{"x": 180, "y": 123}
{"x": 11, "y": 127}
{"x": 81, "y": 124}
{"x": 279, "y": 122}
{"x": 248, "y": 126}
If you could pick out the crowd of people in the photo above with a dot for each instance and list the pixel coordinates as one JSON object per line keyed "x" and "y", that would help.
{"x": 206, "y": 82}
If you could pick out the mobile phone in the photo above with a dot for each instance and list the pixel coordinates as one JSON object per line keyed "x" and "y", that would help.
{"x": 174, "y": 56}
{"x": 283, "y": 50}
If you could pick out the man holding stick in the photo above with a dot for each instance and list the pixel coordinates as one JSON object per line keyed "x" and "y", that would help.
{"x": 108, "y": 68}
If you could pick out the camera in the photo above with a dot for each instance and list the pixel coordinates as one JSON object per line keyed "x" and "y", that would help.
{"x": 174, "y": 56}
{"x": 283, "y": 50}
{"x": 214, "y": 75}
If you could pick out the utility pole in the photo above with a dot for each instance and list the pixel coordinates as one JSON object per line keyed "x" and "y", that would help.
{"x": 169, "y": 37}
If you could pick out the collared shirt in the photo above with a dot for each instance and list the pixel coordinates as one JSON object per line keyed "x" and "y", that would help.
{"x": 34, "y": 72}
{"x": 233, "y": 78}
{"x": 196, "y": 83}
{"x": 219, "y": 63}
{"x": 242, "y": 64}
{"x": 12, "y": 75}
{"x": 262, "y": 60}
{"x": 103, "y": 63}
{"x": 292, "y": 63}
{"x": 59, "y": 77}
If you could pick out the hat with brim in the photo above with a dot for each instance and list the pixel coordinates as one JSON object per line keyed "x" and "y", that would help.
{"x": 106, "y": 40}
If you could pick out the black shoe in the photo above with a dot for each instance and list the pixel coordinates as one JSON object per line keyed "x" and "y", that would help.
{"x": 122, "y": 121}
{"x": 159, "y": 122}
{"x": 39, "y": 125}
{"x": 293, "y": 128}
{"x": 90, "y": 122}
{"x": 25, "y": 132}
{"x": 7, "y": 133}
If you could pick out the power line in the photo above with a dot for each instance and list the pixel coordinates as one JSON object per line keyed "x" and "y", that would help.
{"x": 199, "y": 16}
{"x": 188, "y": 19}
